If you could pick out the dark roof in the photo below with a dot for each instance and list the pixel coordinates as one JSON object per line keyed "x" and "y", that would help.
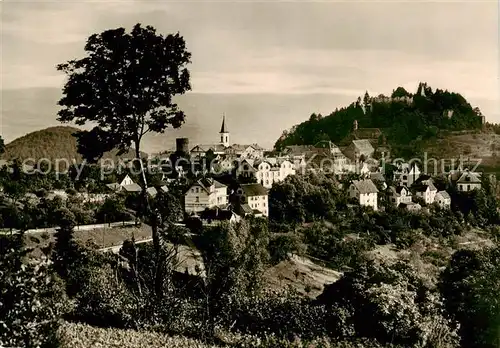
{"x": 367, "y": 133}
{"x": 377, "y": 176}
{"x": 251, "y": 190}
{"x": 216, "y": 214}
{"x": 445, "y": 194}
{"x": 404, "y": 205}
{"x": 423, "y": 188}
{"x": 397, "y": 190}
{"x": 223, "y": 128}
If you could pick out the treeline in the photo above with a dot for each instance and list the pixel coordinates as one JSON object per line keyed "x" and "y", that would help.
{"x": 403, "y": 118}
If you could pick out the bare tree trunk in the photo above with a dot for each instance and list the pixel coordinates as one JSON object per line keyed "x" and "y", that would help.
{"x": 147, "y": 211}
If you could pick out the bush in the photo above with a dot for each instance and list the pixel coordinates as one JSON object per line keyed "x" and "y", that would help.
{"x": 32, "y": 299}
{"x": 104, "y": 299}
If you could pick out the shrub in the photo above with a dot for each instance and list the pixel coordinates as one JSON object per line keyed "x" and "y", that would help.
{"x": 104, "y": 299}
{"x": 32, "y": 299}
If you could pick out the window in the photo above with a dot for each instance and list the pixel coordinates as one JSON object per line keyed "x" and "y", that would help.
{"x": 197, "y": 199}
{"x": 468, "y": 187}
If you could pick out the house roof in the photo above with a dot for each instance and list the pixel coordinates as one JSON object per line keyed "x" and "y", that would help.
{"x": 365, "y": 186}
{"x": 132, "y": 188}
{"x": 243, "y": 147}
{"x": 408, "y": 204}
{"x": 367, "y": 133}
{"x": 424, "y": 187}
{"x": 444, "y": 194}
{"x": 251, "y": 190}
{"x": 473, "y": 178}
{"x": 246, "y": 209}
{"x": 298, "y": 149}
{"x": 218, "y": 184}
{"x": 377, "y": 176}
{"x": 397, "y": 190}
{"x": 151, "y": 191}
{"x": 206, "y": 147}
{"x": 114, "y": 186}
{"x": 363, "y": 145}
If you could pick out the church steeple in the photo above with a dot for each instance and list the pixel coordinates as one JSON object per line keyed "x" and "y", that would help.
{"x": 224, "y": 133}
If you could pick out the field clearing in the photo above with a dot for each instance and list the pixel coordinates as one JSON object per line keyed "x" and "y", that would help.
{"x": 75, "y": 335}
{"x": 100, "y": 237}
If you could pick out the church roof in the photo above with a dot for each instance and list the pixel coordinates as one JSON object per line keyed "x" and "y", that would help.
{"x": 223, "y": 128}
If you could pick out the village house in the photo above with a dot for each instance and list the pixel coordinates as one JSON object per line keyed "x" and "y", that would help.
{"x": 256, "y": 196}
{"x": 406, "y": 174}
{"x": 411, "y": 206}
{"x": 443, "y": 199}
{"x": 365, "y": 192}
{"x": 253, "y": 151}
{"x": 205, "y": 194}
{"x": 399, "y": 194}
{"x": 359, "y": 150}
{"x": 266, "y": 171}
{"x": 469, "y": 181}
{"x": 250, "y": 200}
{"x": 125, "y": 184}
{"x": 216, "y": 216}
{"x": 427, "y": 192}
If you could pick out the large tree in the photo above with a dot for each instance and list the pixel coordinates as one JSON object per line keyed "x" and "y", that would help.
{"x": 124, "y": 86}
{"x": 2, "y": 146}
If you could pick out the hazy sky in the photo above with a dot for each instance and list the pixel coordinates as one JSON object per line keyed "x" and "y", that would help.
{"x": 276, "y": 47}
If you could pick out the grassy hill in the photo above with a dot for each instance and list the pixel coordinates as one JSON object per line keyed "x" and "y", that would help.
{"x": 52, "y": 143}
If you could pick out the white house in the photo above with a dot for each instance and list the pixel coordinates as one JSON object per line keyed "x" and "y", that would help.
{"x": 427, "y": 192}
{"x": 252, "y": 151}
{"x": 203, "y": 194}
{"x": 125, "y": 184}
{"x": 256, "y": 196}
{"x": 365, "y": 192}
{"x": 399, "y": 194}
{"x": 469, "y": 181}
{"x": 443, "y": 199}
{"x": 266, "y": 171}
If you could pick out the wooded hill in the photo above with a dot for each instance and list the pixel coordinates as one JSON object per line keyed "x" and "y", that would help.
{"x": 405, "y": 120}
{"x": 52, "y": 143}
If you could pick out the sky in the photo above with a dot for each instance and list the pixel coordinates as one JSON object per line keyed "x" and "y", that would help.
{"x": 287, "y": 48}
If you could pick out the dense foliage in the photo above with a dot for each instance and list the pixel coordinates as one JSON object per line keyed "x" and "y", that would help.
{"x": 405, "y": 119}
{"x": 471, "y": 287}
{"x": 32, "y": 298}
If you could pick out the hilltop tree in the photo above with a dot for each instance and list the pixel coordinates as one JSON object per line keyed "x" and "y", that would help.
{"x": 125, "y": 85}
{"x": 2, "y": 146}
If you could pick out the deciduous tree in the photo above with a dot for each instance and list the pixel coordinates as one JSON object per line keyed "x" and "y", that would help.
{"x": 125, "y": 86}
